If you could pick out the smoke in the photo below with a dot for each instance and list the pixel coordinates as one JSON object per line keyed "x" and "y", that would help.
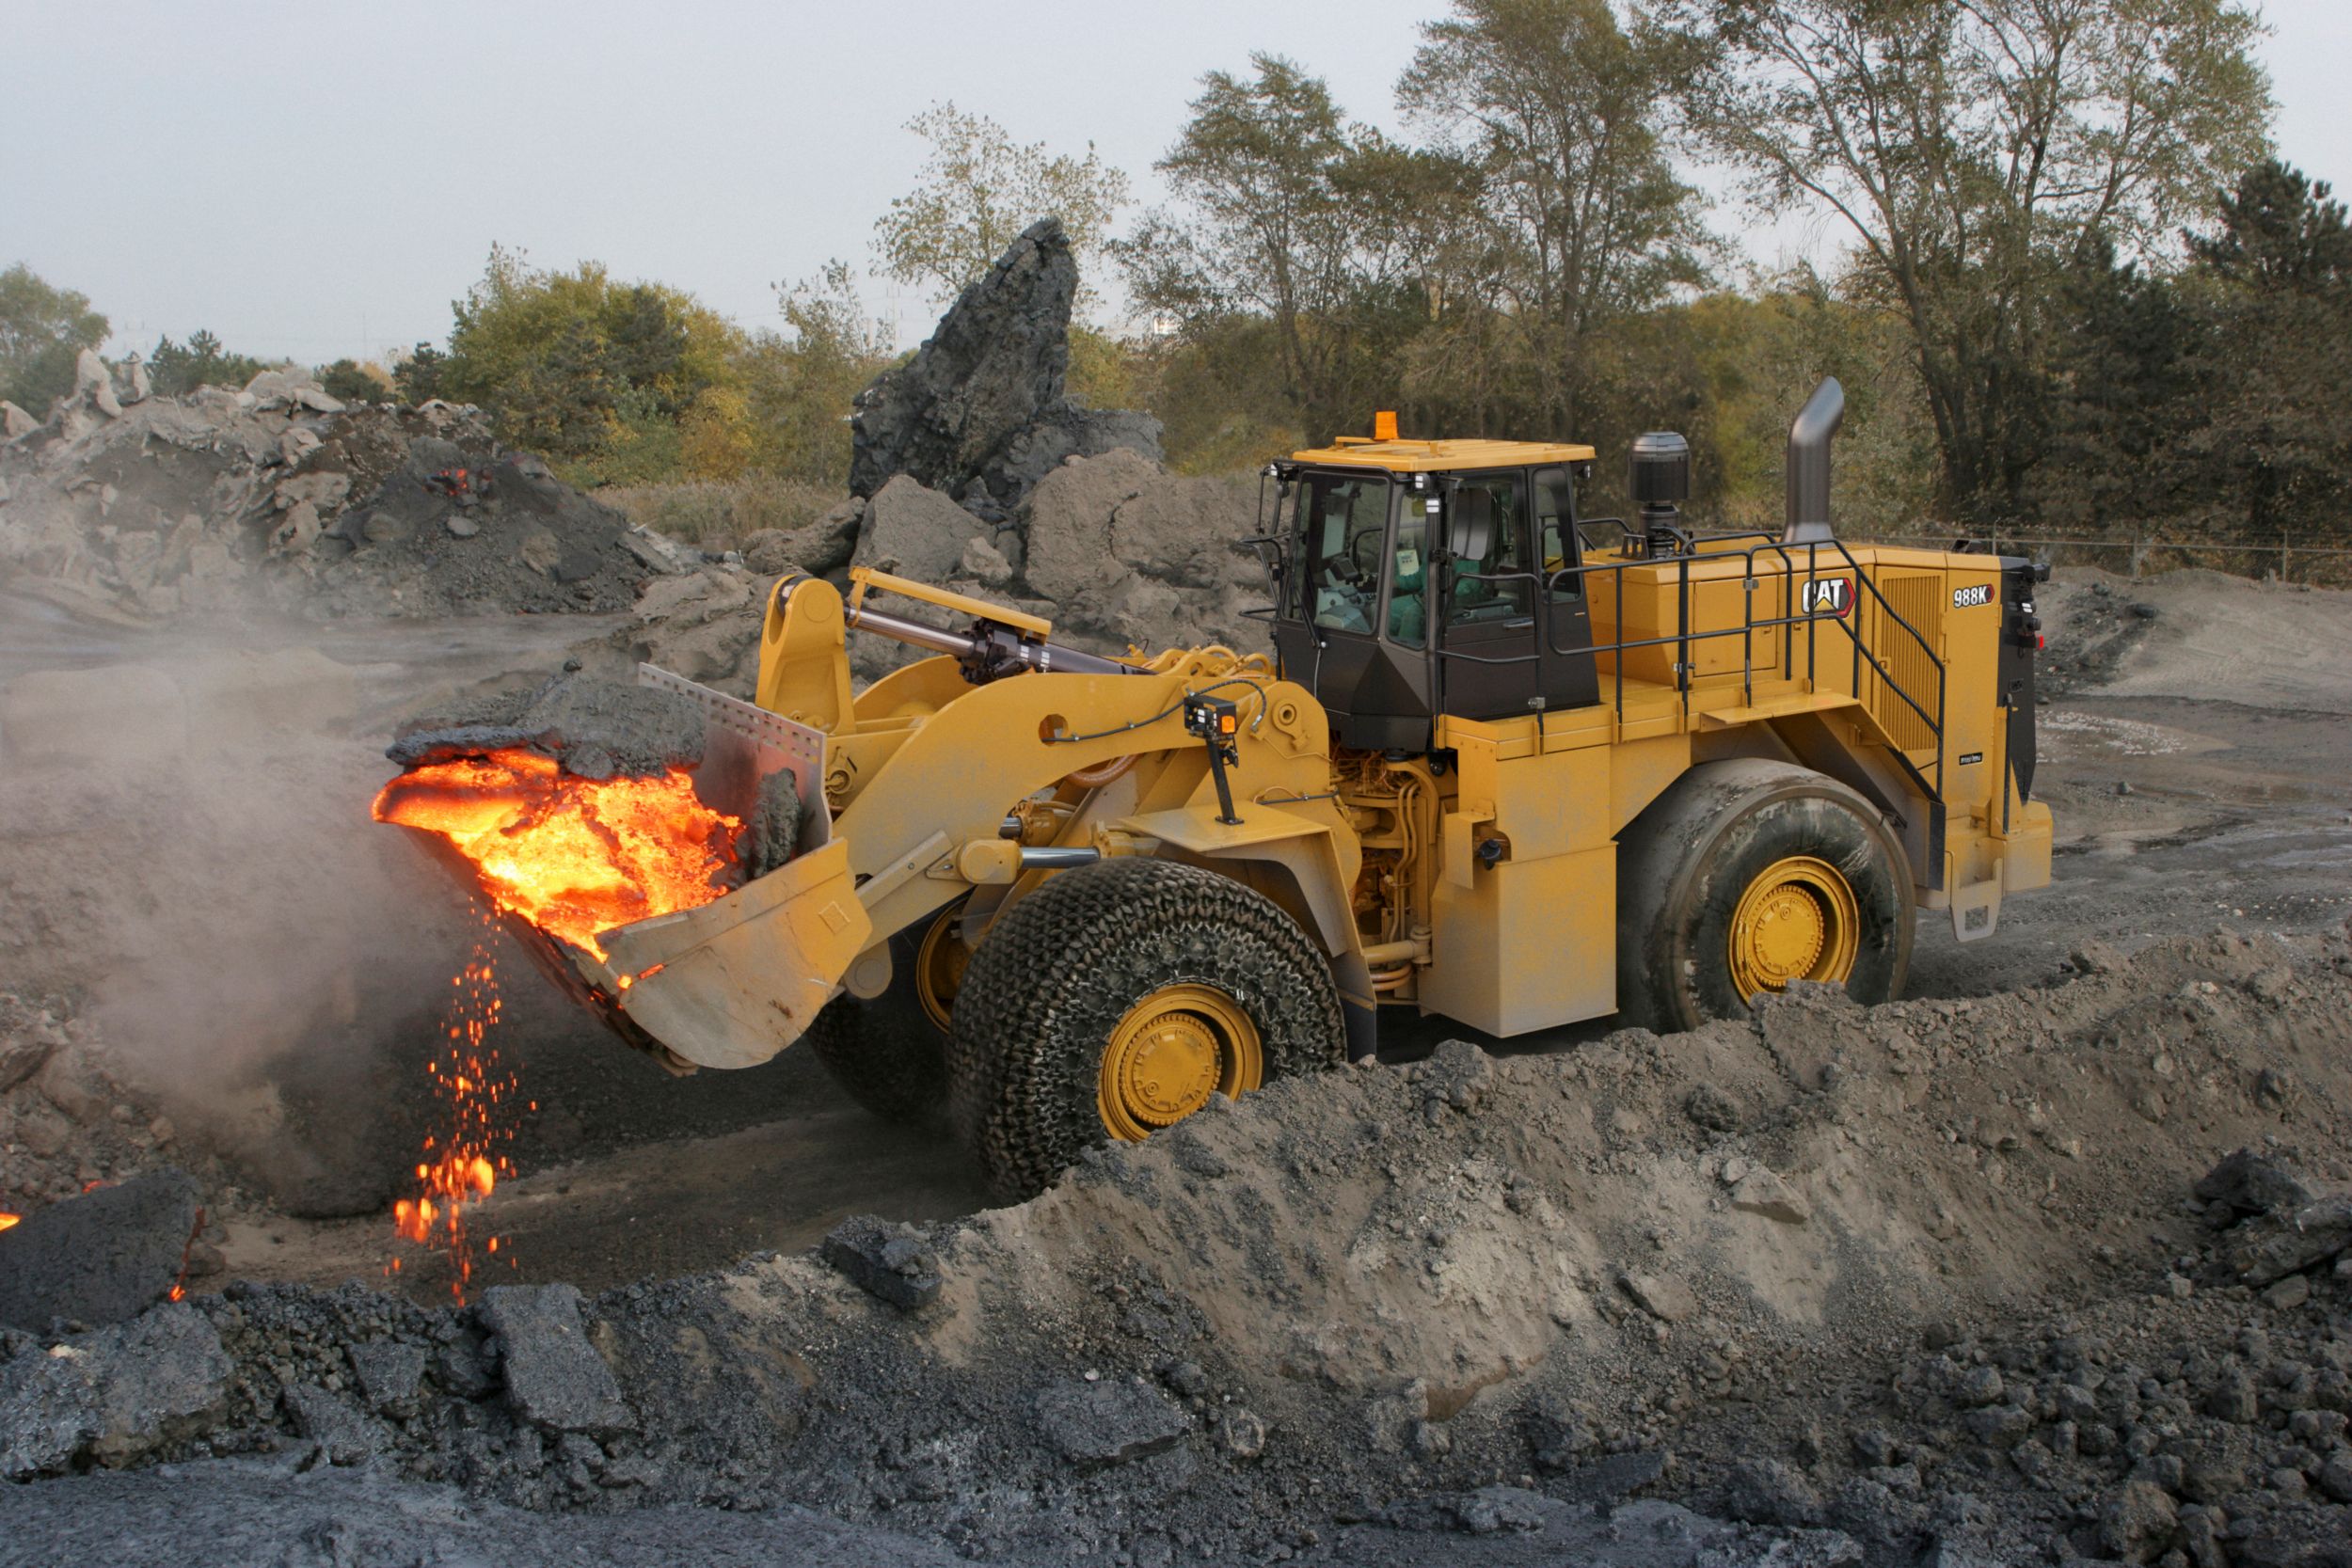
{"x": 185, "y": 851}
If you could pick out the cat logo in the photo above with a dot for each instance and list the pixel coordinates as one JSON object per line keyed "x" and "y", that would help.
{"x": 1829, "y": 596}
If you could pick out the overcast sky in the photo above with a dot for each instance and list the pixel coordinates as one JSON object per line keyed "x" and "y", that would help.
{"x": 313, "y": 180}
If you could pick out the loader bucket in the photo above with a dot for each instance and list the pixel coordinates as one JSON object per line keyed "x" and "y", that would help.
{"x": 729, "y": 983}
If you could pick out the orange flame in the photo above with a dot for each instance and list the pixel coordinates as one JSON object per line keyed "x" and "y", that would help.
{"x": 9, "y": 1221}
{"x": 573, "y": 856}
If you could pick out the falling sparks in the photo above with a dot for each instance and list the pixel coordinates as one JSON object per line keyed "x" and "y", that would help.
{"x": 9, "y": 1221}
{"x": 573, "y": 856}
{"x": 462, "y": 1163}
{"x": 187, "y": 1256}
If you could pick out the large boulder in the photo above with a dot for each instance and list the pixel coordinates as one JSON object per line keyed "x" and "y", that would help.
{"x": 916, "y": 532}
{"x": 1131, "y": 554}
{"x": 103, "y": 1256}
{"x": 112, "y": 1396}
{"x": 1070, "y": 520}
{"x": 981, "y": 412}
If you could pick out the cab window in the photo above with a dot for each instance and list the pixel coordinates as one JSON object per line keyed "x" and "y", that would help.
{"x": 1408, "y": 585}
{"x": 1495, "y": 498}
{"x": 1555, "y": 533}
{"x": 1343, "y": 520}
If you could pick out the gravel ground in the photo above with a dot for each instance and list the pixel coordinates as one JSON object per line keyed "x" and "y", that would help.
{"x": 1853, "y": 1287}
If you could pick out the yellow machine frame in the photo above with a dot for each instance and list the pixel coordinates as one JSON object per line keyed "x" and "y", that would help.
{"x": 1483, "y": 889}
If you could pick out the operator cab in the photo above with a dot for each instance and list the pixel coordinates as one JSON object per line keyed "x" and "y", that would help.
{"x": 1421, "y": 578}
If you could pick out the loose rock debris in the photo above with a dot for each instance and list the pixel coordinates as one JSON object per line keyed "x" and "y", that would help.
{"x": 1481, "y": 1296}
{"x": 142, "y": 508}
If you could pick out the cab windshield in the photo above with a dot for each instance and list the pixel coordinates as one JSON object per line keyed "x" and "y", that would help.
{"x": 1343, "y": 520}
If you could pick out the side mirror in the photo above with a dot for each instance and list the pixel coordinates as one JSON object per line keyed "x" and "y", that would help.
{"x": 1470, "y": 525}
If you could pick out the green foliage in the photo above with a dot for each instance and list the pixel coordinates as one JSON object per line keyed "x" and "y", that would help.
{"x": 1976, "y": 153}
{"x": 178, "y": 370}
{"x": 1288, "y": 215}
{"x": 417, "y": 377}
{"x": 797, "y": 386}
{"x": 42, "y": 331}
{"x": 1757, "y": 358}
{"x": 353, "y": 382}
{"x": 1569, "y": 223}
{"x": 594, "y": 374}
{"x": 2188, "y": 408}
{"x": 2277, "y": 341}
{"x": 978, "y": 191}
{"x": 719, "y": 515}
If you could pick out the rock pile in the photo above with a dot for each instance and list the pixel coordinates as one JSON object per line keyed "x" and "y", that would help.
{"x": 65, "y": 1124}
{"x": 982, "y": 412}
{"x": 974, "y": 471}
{"x": 1951, "y": 1281}
{"x": 149, "y": 507}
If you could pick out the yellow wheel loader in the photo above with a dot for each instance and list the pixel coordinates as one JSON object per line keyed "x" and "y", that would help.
{"x": 1506, "y": 763}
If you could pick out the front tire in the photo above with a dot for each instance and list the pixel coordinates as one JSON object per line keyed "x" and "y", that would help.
{"x": 1114, "y": 1000}
{"x": 890, "y": 1053}
{"x": 1746, "y": 875}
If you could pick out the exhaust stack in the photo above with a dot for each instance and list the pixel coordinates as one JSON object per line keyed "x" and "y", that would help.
{"x": 1809, "y": 436}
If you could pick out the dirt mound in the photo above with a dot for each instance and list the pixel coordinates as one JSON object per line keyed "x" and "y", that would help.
{"x": 1876, "y": 1283}
{"x": 278, "y": 494}
{"x": 2223, "y": 639}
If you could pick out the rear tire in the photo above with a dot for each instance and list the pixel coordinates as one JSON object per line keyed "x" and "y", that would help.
{"x": 890, "y": 1053}
{"x": 1180, "y": 978}
{"x": 1747, "y": 874}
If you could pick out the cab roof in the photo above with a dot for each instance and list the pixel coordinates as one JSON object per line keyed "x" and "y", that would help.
{"x": 1416, "y": 457}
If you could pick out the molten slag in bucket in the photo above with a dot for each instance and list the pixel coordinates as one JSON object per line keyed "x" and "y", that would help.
{"x": 573, "y": 856}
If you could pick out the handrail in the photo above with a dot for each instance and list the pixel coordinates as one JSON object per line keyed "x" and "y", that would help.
{"x": 1542, "y": 586}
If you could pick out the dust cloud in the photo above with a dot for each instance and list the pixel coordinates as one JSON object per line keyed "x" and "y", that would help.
{"x": 185, "y": 853}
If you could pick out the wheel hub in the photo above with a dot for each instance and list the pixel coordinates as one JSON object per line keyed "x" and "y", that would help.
{"x": 1174, "y": 1049}
{"x": 939, "y": 966}
{"x": 1797, "y": 921}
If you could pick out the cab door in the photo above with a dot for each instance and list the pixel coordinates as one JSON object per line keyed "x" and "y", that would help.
{"x": 1486, "y": 598}
{"x": 1332, "y": 635}
{"x": 1569, "y": 677}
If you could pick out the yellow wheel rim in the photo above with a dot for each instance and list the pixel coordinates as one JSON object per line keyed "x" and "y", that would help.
{"x": 1798, "y": 921}
{"x": 939, "y": 966}
{"x": 1173, "y": 1050}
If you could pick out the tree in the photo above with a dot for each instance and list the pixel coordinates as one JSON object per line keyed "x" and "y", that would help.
{"x": 354, "y": 382}
{"x": 574, "y": 365}
{"x": 1754, "y": 357}
{"x": 1975, "y": 149}
{"x": 1577, "y": 222}
{"x": 978, "y": 191}
{"x": 2186, "y": 413}
{"x": 417, "y": 376}
{"x": 2275, "y": 286}
{"x": 43, "y": 330}
{"x": 1294, "y": 230}
{"x": 178, "y": 371}
{"x": 2123, "y": 359}
{"x": 799, "y": 384}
